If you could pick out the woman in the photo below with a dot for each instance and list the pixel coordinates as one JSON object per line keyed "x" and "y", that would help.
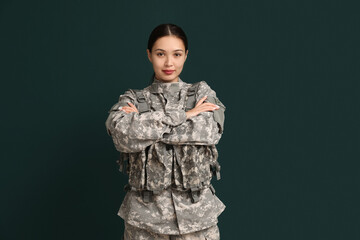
{"x": 167, "y": 133}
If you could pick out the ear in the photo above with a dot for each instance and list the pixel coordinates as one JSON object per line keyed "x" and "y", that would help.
{"x": 149, "y": 55}
{"x": 186, "y": 54}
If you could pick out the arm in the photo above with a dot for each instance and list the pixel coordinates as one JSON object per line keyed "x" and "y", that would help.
{"x": 133, "y": 132}
{"x": 205, "y": 128}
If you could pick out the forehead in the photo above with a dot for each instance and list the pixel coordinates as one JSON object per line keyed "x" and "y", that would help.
{"x": 169, "y": 43}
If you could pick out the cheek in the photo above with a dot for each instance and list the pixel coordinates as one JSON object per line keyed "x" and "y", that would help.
{"x": 180, "y": 63}
{"x": 157, "y": 63}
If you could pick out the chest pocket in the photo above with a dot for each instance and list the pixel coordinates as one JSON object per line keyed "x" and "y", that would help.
{"x": 158, "y": 167}
{"x": 195, "y": 164}
{"x": 136, "y": 169}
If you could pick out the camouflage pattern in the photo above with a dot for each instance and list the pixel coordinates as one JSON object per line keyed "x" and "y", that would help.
{"x": 194, "y": 162}
{"x": 169, "y": 154}
{"x": 134, "y": 233}
{"x": 172, "y": 211}
{"x": 167, "y": 121}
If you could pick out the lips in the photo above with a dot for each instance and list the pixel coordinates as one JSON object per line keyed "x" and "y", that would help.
{"x": 168, "y": 72}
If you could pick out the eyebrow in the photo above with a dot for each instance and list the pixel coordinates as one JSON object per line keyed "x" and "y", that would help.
{"x": 159, "y": 49}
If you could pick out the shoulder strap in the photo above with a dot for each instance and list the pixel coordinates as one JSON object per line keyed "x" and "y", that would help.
{"x": 191, "y": 96}
{"x": 215, "y": 168}
{"x": 143, "y": 105}
{"x": 123, "y": 162}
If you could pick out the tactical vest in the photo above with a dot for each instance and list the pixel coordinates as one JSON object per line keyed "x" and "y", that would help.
{"x": 147, "y": 172}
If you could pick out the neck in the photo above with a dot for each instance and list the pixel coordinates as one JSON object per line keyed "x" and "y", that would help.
{"x": 170, "y": 81}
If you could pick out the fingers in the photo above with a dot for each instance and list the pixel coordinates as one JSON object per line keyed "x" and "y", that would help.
{"x": 127, "y": 109}
{"x": 210, "y": 104}
{"x": 133, "y": 106}
{"x": 200, "y": 101}
{"x": 206, "y": 108}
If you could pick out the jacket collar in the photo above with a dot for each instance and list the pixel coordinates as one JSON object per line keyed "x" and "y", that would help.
{"x": 160, "y": 87}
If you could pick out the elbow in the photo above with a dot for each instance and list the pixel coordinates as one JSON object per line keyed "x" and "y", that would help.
{"x": 127, "y": 145}
{"x": 131, "y": 148}
{"x": 219, "y": 118}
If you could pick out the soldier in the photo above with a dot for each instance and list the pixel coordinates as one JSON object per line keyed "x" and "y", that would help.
{"x": 166, "y": 134}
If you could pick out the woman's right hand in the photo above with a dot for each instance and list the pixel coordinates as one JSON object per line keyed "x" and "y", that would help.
{"x": 130, "y": 109}
{"x": 201, "y": 107}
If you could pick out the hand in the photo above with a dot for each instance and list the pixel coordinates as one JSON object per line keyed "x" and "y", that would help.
{"x": 201, "y": 107}
{"x": 130, "y": 109}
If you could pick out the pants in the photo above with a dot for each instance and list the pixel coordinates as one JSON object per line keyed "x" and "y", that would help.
{"x": 134, "y": 233}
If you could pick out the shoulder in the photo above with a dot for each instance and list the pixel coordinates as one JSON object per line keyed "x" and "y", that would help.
{"x": 128, "y": 94}
{"x": 205, "y": 89}
{"x": 134, "y": 93}
{"x": 205, "y": 85}
{"x": 201, "y": 85}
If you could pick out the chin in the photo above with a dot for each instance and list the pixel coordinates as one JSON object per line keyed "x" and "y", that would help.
{"x": 168, "y": 78}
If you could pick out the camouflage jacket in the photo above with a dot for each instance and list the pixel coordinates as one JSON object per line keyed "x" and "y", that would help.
{"x": 166, "y": 149}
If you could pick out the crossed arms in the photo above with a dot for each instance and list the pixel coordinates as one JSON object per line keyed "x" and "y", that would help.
{"x": 133, "y": 132}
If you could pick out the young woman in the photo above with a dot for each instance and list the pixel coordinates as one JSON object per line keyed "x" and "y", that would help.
{"x": 167, "y": 133}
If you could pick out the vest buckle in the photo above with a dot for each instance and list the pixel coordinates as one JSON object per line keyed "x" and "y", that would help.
{"x": 194, "y": 194}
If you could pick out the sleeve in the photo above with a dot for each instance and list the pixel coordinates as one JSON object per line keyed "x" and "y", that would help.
{"x": 205, "y": 128}
{"x": 133, "y": 132}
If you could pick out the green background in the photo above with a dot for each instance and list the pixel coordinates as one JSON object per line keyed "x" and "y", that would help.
{"x": 287, "y": 71}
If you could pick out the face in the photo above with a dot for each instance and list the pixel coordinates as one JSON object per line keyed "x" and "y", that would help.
{"x": 168, "y": 57}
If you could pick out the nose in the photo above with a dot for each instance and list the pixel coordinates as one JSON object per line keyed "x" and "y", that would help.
{"x": 168, "y": 61}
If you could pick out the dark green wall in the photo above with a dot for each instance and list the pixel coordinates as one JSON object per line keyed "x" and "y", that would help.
{"x": 287, "y": 71}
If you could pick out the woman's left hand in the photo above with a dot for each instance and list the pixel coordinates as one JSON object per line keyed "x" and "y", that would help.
{"x": 130, "y": 109}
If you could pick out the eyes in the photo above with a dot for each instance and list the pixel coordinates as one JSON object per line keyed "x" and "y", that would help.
{"x": 161, "y": 54}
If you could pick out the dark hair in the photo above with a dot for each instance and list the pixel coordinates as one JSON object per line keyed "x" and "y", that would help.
{"x": 166, "y": 29}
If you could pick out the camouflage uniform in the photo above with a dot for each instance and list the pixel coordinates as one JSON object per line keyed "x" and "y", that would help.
{"x": 170, "y": 157}
{"x": 131, "y": 232}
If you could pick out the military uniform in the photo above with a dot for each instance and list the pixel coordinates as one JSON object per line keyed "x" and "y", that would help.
{"x": 171, "y": 161}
